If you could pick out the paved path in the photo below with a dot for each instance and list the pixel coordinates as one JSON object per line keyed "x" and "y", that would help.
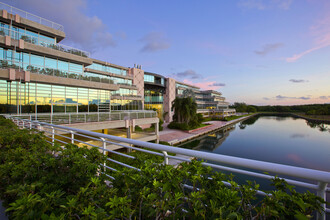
{"x": 174, "y": 136}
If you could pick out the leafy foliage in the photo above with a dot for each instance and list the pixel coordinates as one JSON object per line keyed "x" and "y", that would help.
{"x": 185, "y": 114}
{"x": 41, "y": 181}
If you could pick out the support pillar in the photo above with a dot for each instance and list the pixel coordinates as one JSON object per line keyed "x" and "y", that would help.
{"x": 129, "y": 134}
{"x": 157, "y": 132}
{"x": 104, "y": 131}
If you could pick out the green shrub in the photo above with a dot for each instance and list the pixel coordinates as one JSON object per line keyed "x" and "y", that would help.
{"x": 41, "y": 181}
{"x": 138, "y": 128}
{"x": 177, "y": 125}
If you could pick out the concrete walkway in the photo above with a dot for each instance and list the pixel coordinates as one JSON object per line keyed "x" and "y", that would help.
{"x": 174, "y": 136}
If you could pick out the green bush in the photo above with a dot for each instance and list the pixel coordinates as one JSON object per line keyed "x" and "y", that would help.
{"x": 177, "y": 125}
{"x": 138, "y": 128}
{"x": 41, "y": 181}
{"x": 38, "y": 178}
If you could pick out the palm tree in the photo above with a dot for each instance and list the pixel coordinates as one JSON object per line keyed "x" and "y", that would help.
{"x": 184, "y": 109}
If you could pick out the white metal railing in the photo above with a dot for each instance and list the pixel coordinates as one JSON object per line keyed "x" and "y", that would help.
{"x": 42, "y": 42}
{"x": 87, "y": 117}
{"x": 215, "y": 110}
{"x": 32, "y": 17}
{"x": 307, "y": 178}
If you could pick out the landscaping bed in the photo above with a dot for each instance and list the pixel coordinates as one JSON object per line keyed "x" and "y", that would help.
{"x": 41, "y": 181}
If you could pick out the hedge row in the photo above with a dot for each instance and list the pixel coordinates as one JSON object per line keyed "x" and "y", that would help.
{"x": 41, "y": 181}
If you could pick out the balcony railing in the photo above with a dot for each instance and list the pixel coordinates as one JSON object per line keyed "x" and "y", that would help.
{"x": 32, "y": 17}
{"x": 4, "y": 64}
{"x": 87, "y": 117}
{"x": 126, "y": 95}
{"x": 306, "y": 178}
{"x": 42, "y": 42}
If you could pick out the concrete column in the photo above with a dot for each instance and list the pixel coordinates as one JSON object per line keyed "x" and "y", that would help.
{"x": 157, "y": 132}
{"x": 129, "y": 135}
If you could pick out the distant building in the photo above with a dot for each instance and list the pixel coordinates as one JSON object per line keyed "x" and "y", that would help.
{"x": 160, "y": 92}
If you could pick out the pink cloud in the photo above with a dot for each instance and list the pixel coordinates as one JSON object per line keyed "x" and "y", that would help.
{"x": 321, "y": 33}
{"x": 204, "y": 85}
{"x": 296, "y": 57}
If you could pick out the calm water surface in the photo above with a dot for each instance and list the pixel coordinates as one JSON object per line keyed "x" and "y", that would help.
{"x": 283, "y": 140}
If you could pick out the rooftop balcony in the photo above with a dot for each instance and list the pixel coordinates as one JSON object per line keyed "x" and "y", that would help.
{"x": 42, "y": 42}
{"x": 32, "y": 17}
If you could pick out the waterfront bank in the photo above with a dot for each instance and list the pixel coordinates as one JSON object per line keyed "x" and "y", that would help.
{"x": 175, "y": 137}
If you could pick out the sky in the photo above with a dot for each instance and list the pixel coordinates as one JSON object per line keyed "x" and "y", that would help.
{"x": 261, "y": 52}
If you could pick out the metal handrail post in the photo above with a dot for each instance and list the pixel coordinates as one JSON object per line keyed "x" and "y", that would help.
{"x": 53, "y": 136}
{"x": 104, "y": 146}
{"x": 165, "y": 157}
{"x": 72, "y": 137}
{"x": 321, "y": 192}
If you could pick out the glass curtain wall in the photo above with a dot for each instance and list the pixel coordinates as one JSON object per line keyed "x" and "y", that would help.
{"x": 108, "y": 69}
{"x": 154, "y": 100}
{"x": 16, "y": 98}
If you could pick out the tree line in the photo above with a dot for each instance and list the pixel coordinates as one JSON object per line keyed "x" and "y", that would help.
{"x": 311, "y": 109}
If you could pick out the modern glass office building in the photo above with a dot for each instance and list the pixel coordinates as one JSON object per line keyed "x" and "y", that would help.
{"x": 40, "y": 75}
{"x": 154, "y": 90}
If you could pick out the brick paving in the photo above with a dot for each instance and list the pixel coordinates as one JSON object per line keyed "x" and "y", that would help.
{"x": 174, "y": 136}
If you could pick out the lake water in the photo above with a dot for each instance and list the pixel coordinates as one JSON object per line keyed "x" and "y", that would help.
{"x": 283, "y": 140}
{"x": 277, "y": 139}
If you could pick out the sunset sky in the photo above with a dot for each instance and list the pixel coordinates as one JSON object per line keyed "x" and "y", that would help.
{"x": 263, "y": 52}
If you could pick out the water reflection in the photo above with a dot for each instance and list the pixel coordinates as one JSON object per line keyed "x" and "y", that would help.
{"x": 299, "y": 135}
{"x": 249, "y": 121}
{"x": 279, "y": 139}
{"x": 210, "y": 142}
{"x": 323, "y": 127}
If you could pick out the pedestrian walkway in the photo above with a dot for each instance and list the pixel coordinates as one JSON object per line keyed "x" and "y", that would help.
{"x": 174, "y": 136}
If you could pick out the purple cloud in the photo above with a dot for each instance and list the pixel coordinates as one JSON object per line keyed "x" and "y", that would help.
{"x": 298, "y": 80}
{"x": 83, "y": 31}
{"x": 191, "y": 74}
{"x": 218, "y": 84}
{"x": 154, "y": 41}
{"x": 287, "y": 97}
{"x": 268, "y": 48}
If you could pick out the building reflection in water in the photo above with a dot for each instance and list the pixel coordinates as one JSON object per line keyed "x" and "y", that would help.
{"x": 210, "y": 142}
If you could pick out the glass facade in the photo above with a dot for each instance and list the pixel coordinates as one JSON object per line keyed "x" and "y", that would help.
{"x": 26, "y": 35}
{"x": 153, "y": 100}
{"x": 124, "y": 92}
{"x": 149, "y": 78}
{"x": 16, "y": 97}
{"x": 180, "y": 88}
{"x": 40, "y": 64}
{"x": 154, "y": 79}
{"x": 32, "y": 37}
{"x": 53, "y": 67}
{"x": 108, "y": 69}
